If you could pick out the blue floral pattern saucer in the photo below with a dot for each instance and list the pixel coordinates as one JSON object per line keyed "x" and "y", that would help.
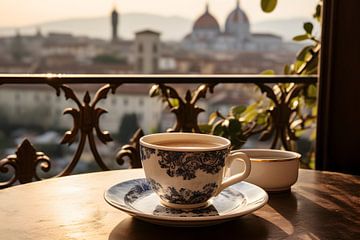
{"x": 137, "y": 198}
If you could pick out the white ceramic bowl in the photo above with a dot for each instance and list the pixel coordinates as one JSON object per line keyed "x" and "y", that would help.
{"x": 272, "y": 170}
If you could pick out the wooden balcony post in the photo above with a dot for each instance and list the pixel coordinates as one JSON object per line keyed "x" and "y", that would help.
{"x": 338, "y": 127}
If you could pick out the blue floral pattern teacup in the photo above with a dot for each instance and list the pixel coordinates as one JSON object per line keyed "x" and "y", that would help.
{"x": 187, "y": 169}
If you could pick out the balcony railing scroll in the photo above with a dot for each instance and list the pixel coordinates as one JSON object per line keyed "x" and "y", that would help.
{"x": 280, "y": 89}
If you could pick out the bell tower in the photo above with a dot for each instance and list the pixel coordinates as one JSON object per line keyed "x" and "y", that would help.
{"x": 114, "y": 24}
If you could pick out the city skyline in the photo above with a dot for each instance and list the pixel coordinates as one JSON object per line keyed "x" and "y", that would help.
{"x": 39, "y": 11}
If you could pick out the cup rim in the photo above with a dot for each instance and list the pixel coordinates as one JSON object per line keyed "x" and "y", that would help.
{"x": 292, "y": 155}
{"x": 223, "y": 142}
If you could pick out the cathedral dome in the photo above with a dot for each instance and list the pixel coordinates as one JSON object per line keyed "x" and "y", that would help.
{"x": 206, "y": 22}
{"x": 237, "y": 22}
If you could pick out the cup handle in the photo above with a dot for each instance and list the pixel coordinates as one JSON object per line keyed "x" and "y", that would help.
{"x": 239, "y": 156}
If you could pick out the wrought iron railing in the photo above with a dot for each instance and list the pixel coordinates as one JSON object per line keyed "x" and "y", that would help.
{"x": 86, "y": 115}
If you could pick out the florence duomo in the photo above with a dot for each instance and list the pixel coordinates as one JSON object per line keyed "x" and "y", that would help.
{"x": 207, "y": 35}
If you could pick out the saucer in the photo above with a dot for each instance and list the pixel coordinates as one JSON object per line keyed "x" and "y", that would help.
{"x": 136, "y": 198}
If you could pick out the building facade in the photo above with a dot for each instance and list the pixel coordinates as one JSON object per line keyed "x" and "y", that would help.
{"x": 147, "y": 51}
{"x": 39, "y": 106}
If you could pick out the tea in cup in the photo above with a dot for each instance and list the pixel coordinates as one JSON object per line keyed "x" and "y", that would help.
{"x": 186, "y": 169}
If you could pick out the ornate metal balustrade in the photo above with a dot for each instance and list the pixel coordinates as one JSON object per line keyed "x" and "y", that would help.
{"x": 283, "y": 116}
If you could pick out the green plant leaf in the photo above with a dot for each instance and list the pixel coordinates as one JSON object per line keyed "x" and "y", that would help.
{"x": 236, "y": 142}
{"x": 262, "y": 119}
{"x": 212, "y": 117}
{"x": 171, "y": 93}
{"x": 313, "y": 135}
{"x": 268, "y": 5}
{"x": 286, "y": 69}
{"x": 268, "y": 72}
{"x": 250, "y": 113}
{"x": 301, "y": 56}
{"x": 312, "y": 164}
{"x": 298, "y": 65}
{"x": 302, "y": 37}
{"x": 236, "y": 111}
{"x": 174, "y": 102}
{"x": 311, "y": 71}
{"x": 234, "y": 126}
{"x": 309, "y": 122}
{"x": 317, "y": 14}
{"x": 226, "y": 123}
{"x": 154, "y": 90}
{"x": 299, "y": 133}
{"x": 205, "y": 128}
{"x": 314, "y": 110}
{"x": 217, "y": 129}
{"x": 308, "y": 26}
{"x": 250, "y": 116}
{"x": 312, "y": 91}
{"x": 312, "y": 63}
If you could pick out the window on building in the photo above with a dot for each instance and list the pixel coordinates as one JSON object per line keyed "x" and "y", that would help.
{"x": 155, "y": 48}
{"x": 140, "y": 48}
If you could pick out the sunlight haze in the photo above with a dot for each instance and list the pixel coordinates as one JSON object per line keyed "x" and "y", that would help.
{"x": 17, "y": 13}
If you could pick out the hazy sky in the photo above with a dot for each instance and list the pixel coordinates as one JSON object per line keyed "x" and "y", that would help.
{"x": 28, "y": 12}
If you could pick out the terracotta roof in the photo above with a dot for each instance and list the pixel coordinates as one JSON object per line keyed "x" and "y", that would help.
{"x": 206, "y": 21}
{"x": 147, "y": 31}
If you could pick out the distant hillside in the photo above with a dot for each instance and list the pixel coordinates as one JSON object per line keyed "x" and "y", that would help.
{"x": 287, "y": 28}
{"x": 172, "y": 28}
{"x": 100, "y": 27}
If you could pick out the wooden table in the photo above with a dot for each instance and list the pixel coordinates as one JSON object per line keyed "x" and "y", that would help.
{"x": 321, "y": 205}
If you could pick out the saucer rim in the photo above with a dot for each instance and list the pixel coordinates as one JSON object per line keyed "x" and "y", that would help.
{"x": 234, "y": 213}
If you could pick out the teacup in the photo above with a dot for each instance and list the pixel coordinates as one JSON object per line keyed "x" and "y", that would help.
{"x": 272, "y": 170}
{"x": 187, "y": 169}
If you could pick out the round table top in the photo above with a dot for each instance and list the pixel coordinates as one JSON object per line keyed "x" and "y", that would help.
{"x": 321, "y": 205}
